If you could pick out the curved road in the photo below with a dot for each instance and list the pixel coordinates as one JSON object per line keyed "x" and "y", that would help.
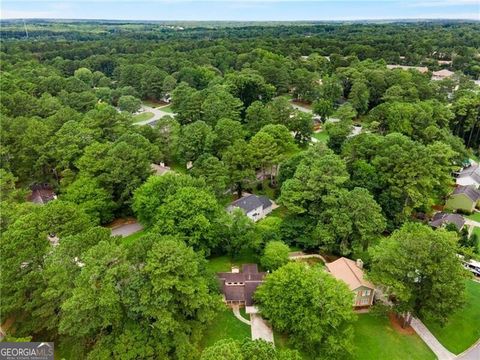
{"x": 158, "y": 113}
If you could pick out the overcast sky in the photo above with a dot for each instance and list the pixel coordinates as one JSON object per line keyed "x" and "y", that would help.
{"x": 279, "y": 10}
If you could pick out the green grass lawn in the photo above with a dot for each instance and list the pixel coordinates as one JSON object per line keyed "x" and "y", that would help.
{"x": 321, "y": 136}
{"x": 375, "y": 338}
{"x": 225, "y": 263}
{"x": 225, "y": 326}
{"x": 142, "y": 116}
{"x": 463, "y": 328}
{"x": 475, "y": 216}
{"x": 167, "y": 109}
{"x": 129, "y": 240}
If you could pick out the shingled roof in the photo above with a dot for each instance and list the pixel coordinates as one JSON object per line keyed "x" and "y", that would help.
{"x": 240, "y": 286}
{"x": 469, "y": 191}
{"x": 347, "y": 270}
{"x": 440, "y": 219}
{"x": 251, "y": 202}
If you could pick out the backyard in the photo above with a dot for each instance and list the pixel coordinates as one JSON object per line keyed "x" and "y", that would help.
{"x": 462, "y": 329}
{"x": 321, "y": 136}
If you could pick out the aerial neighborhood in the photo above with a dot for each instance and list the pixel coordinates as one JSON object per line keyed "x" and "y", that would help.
{"x": 240, "y": 190}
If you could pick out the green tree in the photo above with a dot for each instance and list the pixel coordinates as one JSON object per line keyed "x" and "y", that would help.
{"x": 218, "y": 104}
{"x": 129, "y": 103}
{"x": 311, "y": 306}
{"x": 213, "y": 171}
{"x": 226, "y": 133}
{"x": 323, "y": 108}
{"x": 238, "y": 158}
{"x": 359, "y": 97}
{"x": 275, "y": 255}
{"x": 196, "y": 139}
{"x": 420, "y": 269}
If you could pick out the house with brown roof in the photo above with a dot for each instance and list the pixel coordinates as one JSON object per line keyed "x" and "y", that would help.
{"x": 238, "y": 287}
{"x": 442, "y": 74}
{"x": 351, "y": 273}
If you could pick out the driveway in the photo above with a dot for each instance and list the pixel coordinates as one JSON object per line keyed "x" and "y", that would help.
{"x": 158, "y": 113}
{"x": 127, "y": 229}
{"x": 439, "y": 350}
{"x": 260, "y": 328}
{"x": 471, "y": 354}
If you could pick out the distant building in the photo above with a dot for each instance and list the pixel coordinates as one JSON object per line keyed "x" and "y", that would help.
{"x": 351, "y": 273}
{"x": 445, "y": 62}
{"x": 238, "y": 287}
{"x": 464, "y": 198}
{"x": 442, "y": 74}
{"x": 160, "y": 169}
{"x": 422, "y": 69}
{"x": 442, "y": 219}
{"x": 469, "y": 175}
{"x": 41, "y": 194}
{"x": 255, "y": 207}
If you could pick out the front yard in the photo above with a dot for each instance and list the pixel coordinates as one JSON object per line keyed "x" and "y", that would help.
{"x": 225, "y": 326}
{"x": 142, "y": 116}
{"x": 375, "y": 338}
{"x": 463, "y": 328}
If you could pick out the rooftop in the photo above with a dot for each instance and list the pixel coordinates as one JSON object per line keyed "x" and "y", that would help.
{"x": 441, "y": 218}
{"x": 347, "y": 270}
{"x": 251, "y": 202}
{"x": 469, "y": 191}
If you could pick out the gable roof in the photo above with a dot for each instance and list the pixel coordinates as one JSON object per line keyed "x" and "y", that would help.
{"x": 441, "y": 218}
{"x": 41, "y": 194}
{"x": 347, "y": 270}
{"x": 251, "y": 202}
{"x": 472, "y": 171}
{"x": 246, "y": 283}
{"x": 470, "y": 191}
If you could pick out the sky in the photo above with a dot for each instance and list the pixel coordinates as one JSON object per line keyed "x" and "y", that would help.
{"x": 241, "y": 10}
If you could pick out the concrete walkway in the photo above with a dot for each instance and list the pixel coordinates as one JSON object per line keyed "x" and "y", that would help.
{"x": 236, "y": 312}
{"x": 472, "y": 353}
{"x": 471, "y": 225}
{"x": 440, "y": 351}
{"x": 158, "y": 113}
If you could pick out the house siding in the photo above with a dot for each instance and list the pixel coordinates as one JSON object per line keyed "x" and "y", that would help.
{"x": 460, "y": 202}
{"x": 363, "y": 296}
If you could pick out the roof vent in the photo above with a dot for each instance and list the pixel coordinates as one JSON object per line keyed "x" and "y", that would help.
{"x": 359, "y": 263}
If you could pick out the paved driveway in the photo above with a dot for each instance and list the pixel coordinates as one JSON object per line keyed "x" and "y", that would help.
{"x": 471, "y": 354}
{"x": 260, "y": 328}
{"x": 158, "y": 113}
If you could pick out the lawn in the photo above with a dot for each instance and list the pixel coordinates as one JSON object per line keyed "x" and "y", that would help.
{"x": 142, "y": 116}
{"x": 375, "y": 338}
{"x": 475, "y": 216}
{"x": 225, "y": 263}
{"x": 130, "y": 239}
{"x": 321, "y": 136}
{"x": 462, "y": 329}
{"x": 225, "y": 326}
{"x": 167, "y": 109}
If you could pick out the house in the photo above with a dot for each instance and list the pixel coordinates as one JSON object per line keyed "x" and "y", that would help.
{"x": 159, "y": 169}
{"x": 445, "y": 62}
{"x": 238, "y": 287}
{"x": 464, "y": 198}
{"x": 442, "y": 219}
{"x": 41, "y": 194}
{"x": 351, "y": 273}
{"x": 255, "y": 207}
{"x": 469, "y": 175}
{"x": 421, "y": 69}
{"x": 442, "y": 74}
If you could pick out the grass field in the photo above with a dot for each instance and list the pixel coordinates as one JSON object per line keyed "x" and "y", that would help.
{"x": 225, "y": 326}
{"x": 321, "y": 136}
{"x": 375, "y": 338}
{"x": 142, "y": 116}
{"x": 225, "y": 263}
{"x": 475, "y": 216}
{"x": 167, "y": 108}
{"x": 129, "y": 240}
{"x": 463, "y": 328}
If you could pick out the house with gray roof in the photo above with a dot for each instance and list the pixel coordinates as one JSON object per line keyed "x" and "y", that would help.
{"x": 465, "y": 198}
{"x": 255, "y": 207}
{"x": 442, "y": 219}
{"x": 469, "y": 175}
{"x": 238, "y": 287}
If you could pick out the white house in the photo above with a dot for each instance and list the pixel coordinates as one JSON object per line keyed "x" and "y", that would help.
{"x": 255, "y": 207}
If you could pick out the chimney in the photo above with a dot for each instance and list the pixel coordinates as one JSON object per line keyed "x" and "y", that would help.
{"x": 359, "y": 263}
{"x": 235, "y": 269}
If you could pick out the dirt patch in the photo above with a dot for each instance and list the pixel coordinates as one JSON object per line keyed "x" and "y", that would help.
{"x": 329, "y": 257}
{"x": 397, "y": 325}
{"x": 121, "y": 221}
